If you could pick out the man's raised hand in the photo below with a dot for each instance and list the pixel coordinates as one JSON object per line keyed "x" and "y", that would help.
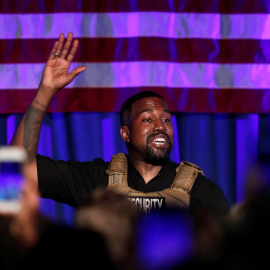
{"x": 56, "y": 73}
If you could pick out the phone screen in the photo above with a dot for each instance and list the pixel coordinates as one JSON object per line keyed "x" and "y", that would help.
{"x": 11, "y": 179}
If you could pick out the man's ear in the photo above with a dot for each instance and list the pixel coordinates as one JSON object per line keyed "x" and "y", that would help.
{"x": 124, "y": 132}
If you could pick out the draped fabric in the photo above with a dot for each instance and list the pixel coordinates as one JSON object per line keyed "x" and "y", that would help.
{"x": 225, "y": 146}
{"x": 209, "y": 59}
{"x": 203, "y": 56}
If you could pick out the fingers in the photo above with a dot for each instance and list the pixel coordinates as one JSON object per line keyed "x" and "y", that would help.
{"x": 53, "y": 51}
{"x": 57, "y": 47}
{"x": 60, "y": 44}
{"x": 75, "y": 72}
{"x": 61, "y": 49}
{"x": 67, "y": 45}
{"x": 73, "y": 50}
{"x": 65, "y": 53}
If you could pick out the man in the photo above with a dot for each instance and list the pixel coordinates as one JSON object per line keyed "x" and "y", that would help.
{"x": 146, "y": 128}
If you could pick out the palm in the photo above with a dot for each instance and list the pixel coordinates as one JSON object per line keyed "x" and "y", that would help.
{"x": 56, "y": 73}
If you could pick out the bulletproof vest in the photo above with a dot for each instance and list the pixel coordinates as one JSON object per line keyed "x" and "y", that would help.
{"x": 178, "y": 195}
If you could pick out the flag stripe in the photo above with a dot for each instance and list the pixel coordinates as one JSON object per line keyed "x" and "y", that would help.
{"x": 110, "y": 99}
{"x": 211, "y": 52}
{"x": 203, "y": 6}
{"x": 135, "y": 74}
{"x": 136, "y": 24}
{"x": 142, "y": 49}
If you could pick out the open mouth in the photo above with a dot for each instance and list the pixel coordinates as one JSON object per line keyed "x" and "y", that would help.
{"x": 159, "y": 140}
{"x": 158, "y": 148}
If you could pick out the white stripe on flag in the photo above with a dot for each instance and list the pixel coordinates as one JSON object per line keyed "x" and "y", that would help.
{"x": 136, "y": 24}
{"x": 135, "y": 74}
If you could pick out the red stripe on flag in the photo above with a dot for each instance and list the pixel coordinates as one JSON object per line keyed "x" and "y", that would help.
{"x": 110, "y": 100}
{"x": 142, "y": 49}
{"x": 201, "y": 6}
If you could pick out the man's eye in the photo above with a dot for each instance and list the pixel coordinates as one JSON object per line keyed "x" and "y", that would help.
{"x": 147, "y": 120}
{"x": 166, "y": 120}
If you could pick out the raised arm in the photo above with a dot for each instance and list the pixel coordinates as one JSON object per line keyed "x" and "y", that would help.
{"x": 55, "y": 76}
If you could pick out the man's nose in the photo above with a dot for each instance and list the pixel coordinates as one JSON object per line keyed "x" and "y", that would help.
{"x": 159, "y": 125}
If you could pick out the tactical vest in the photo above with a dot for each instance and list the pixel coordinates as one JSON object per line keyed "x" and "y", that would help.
{"x": 178, "y": 195}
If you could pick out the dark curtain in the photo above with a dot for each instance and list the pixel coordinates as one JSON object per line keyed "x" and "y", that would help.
{"x": 225, "y": 146}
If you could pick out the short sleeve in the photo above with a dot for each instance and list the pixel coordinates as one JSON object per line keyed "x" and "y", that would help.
{"x": 69, "y": 182}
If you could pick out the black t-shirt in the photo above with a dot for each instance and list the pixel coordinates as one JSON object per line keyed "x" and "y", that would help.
{"x": 70, "y": 182}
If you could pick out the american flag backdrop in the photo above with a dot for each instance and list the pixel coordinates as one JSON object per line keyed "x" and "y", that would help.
{"x": 201, "y": 55}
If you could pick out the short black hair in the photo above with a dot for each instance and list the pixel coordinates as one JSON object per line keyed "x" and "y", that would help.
{"x": 127, "y": 105}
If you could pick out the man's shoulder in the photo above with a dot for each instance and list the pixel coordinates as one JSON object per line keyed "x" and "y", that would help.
{"x": 203, "y": 180}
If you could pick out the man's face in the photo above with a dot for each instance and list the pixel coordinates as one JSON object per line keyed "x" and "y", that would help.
{"x": 150, "y": 130}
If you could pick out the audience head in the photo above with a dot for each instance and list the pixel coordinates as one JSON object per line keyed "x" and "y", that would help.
{"x": 115, "y": 218}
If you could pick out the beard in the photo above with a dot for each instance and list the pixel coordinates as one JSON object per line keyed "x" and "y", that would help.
{"x": 160, "y": 156}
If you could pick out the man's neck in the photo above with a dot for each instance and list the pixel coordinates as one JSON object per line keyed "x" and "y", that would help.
{"x": 147, "y": 171}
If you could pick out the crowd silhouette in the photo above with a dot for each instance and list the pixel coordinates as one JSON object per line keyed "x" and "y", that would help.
{"x": 111, "y": 232}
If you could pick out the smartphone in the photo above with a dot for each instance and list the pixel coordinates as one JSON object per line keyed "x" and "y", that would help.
{"x": 12, "y": 160}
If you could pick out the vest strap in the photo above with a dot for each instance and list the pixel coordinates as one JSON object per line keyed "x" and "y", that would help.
{"x": 117, "y": 170}
{"x": 186, "y": 174}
